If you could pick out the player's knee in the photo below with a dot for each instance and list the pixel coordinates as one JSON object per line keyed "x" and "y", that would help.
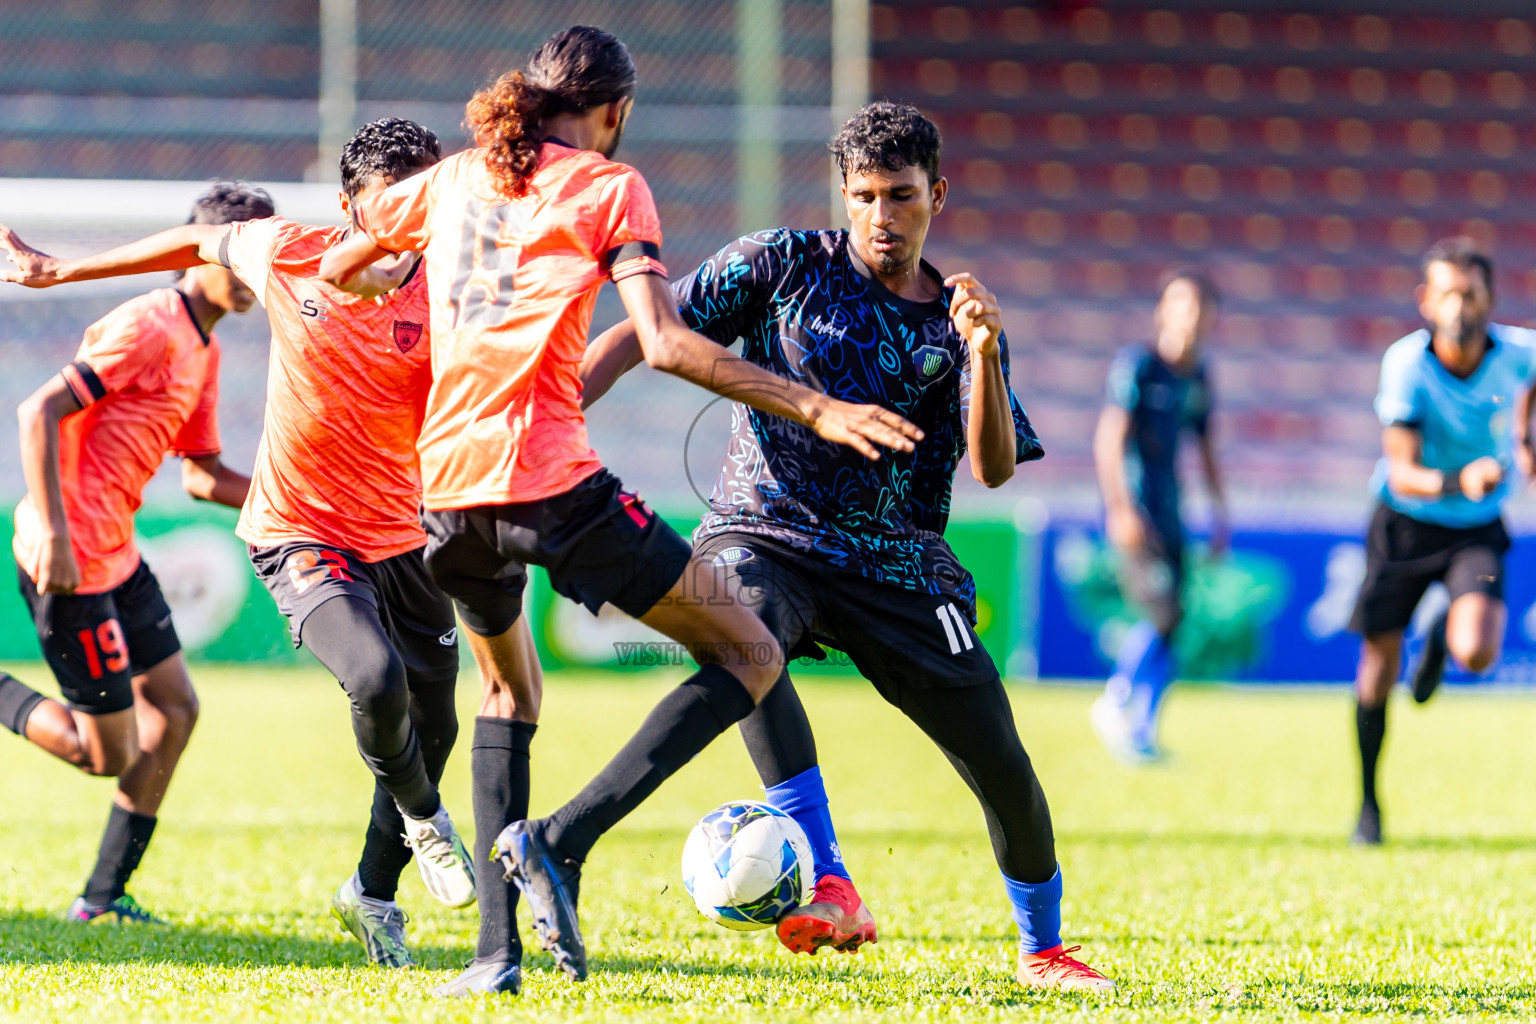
{"x": 181, "y": 718}
{"x": 376, "y": 683}
{"x": 1478, "y": 655}
{"x": 108, "y": 763}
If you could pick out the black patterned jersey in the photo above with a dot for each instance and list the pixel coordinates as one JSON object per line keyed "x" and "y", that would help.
{"x": 808, "y": 309}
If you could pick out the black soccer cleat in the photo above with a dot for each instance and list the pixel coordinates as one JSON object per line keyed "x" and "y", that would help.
{"x": 1431, "y": 667}
{"x": 1368, "y": 828}
{"x": 551, "y": 883}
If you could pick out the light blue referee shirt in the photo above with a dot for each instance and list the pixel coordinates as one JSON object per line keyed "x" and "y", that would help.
{"x": 1460, "y": 420}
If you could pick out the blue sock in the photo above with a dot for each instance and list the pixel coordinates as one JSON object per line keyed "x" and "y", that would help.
{"x": 1037, "y": 912}
{"x": 1140, "y": 645}
{"x": 804, "y": 798}
{"x": 1154, "y": 675}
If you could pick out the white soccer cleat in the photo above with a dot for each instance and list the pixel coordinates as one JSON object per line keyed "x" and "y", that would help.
{"x": 378, "y": 924}
{"x": 1114, "y": 731}
{"x": 447, "y": 870}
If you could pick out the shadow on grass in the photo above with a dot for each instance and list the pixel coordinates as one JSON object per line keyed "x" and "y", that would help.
{"x": 32, "y": 938}
{"x": 1439, "y": 844}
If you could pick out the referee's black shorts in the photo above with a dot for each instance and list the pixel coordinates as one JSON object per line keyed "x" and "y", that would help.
{"x": 1405, "y": 555}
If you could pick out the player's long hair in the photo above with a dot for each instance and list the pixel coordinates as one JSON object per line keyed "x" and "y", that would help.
{"x": 576, "y": 70}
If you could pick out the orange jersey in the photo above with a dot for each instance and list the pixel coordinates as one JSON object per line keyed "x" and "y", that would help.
{"x": 148, "y": 382}
{"x": 346, "y": 392}
{"x": 512, "y": 285}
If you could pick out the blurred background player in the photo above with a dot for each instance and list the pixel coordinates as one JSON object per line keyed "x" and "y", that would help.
{"x": 1454, "y": 405}
{"x": 332, "y": 515}
{"x": 144, "y": 382}
{"x": 1155, "y": 393}
{"x": 518, "y": 237}
{"x": 829, "y": 547}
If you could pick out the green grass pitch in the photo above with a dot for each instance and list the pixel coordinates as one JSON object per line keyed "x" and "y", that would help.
{"x": 1218, "y": 887}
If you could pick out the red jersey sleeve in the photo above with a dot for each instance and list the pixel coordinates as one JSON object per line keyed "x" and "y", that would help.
{"x": 118, "y": 349}
{"x": 249, "y": 248}
{"x": 629, "y": 231}
{"x": 199, "y": 437}
{"x": 396, "y": 219}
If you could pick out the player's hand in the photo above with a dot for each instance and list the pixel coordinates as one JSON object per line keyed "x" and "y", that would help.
{"x": 862, "y": 427}
{"x": 33, "y": 269}
{"x": 975, "y": 313}
{"x": 1125, "y": 527}
{"x": 1221, "y": 538}
{"x": 1524, "y": 461}
{"x": 1480, "y": 476}
{"x": 59, "y": 573}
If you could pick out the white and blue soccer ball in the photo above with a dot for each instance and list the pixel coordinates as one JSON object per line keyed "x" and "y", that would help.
{"x": 747, "y": 864}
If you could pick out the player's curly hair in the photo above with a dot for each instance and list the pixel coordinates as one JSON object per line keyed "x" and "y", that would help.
{"x": 227, "y": 201}
{"x": 889, "y": 136}
{"x": 576, "y": 70}
{"x": 392, "y": 147}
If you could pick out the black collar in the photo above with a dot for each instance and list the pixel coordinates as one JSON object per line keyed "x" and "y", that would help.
{"x": 186, "y": 304}
{"x": 908, "y": 307}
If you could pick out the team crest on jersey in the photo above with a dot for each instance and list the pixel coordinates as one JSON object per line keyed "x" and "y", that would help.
{"x": 733, "y": 556}
{"x": 406, "y": 335}
{"x": 932, "y": 362}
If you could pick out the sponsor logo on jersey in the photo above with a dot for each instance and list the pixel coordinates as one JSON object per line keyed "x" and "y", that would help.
{"x": 318, "y": 309}
{"x": 448, "y": 638}
{"x": 932, "y": 362}
{"x": 406, "y": 335}
{"x": 733, "y": 556}
{"x": 821, "y": 326}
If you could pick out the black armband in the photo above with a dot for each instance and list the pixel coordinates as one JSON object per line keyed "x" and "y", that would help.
{"x": 1450, "y": 481}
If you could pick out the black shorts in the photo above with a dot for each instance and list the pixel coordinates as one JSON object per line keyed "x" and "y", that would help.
{"x": 97, "y": 643}
{"x": 897, "y": 638}
{"x": 417, "y": 617}
{"x": 1403, "y": 556}
{"x": 599, "y": 544}
{"x": 1152, "y": 579}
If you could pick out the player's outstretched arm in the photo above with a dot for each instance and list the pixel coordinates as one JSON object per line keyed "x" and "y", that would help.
{"x": 38, "y": 417}
{"x": 350, "y": 266}
{"x": 176, "y": 249}
{"x": 208, "y": 479}
{"x": 613, "y": 354}
{"x": 669, "y": 346}
{"x": 989, "y": 428}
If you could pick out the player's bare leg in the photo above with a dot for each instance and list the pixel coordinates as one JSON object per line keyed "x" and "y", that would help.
{"x": 1381, "y": 656}
{"x": 511, "y": 690}
{"x": 105, "y": 745}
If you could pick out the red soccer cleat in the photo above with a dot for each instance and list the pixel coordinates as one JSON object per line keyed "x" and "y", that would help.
{"x": 835, "y": 916}
{"x": 1055, "y": 968}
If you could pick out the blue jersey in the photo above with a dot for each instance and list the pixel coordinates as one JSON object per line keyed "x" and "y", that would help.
{"x": 1162, "y": 403}
{"x": 808, "y": 309}
{"x": 1459, "y": 420}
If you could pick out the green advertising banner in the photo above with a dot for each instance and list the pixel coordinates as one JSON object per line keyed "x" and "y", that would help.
{"x": 222, "y": 612}
{"x": 1002, "y": 556}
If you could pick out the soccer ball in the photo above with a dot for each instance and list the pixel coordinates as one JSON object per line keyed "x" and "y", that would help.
{"x": 747, "y": 864}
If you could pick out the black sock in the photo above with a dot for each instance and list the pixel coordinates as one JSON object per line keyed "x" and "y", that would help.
{"x": 385, "y": 854}
{"x": 17, "y": 702}
{"x": 405, "y": 775}
{"x": 122, "y": 845}
{"x": 498, "y": 761}
{"x": 685, "y": 722}
{"x": 1371, "y": 727}
{"x": 778, "y": 735}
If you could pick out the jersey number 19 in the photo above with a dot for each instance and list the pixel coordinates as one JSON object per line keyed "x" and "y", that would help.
{"x": 482, "y": 283}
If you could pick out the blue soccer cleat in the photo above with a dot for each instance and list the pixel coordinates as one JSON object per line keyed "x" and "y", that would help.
{"x": 551, "y": 883}
{"x": 484, "y": 979}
